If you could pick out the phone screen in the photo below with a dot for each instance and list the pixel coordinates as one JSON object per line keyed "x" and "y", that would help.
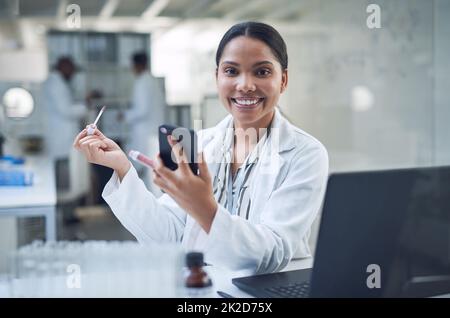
{"x": 188, "y": 140}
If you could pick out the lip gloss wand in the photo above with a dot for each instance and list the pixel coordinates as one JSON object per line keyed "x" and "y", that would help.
{"x": 91, "y": 128}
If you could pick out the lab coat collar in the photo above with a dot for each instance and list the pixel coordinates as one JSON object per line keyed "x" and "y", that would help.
{"x": 280, "y": 123}
{"x": 285, "y": 130}
{"x": 282, "y": 140}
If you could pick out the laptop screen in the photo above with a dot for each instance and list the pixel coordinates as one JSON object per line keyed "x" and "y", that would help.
{"x": 384, "y": 233}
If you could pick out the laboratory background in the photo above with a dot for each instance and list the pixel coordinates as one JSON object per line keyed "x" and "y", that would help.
{"x": 368, "y": 78}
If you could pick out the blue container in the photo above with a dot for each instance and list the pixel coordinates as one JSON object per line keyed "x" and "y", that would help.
{"x": 16, "y": 178}
{"x": 13, "y": 160}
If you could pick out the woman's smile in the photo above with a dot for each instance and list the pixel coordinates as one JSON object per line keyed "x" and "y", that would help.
{"x": 246, "y": 103}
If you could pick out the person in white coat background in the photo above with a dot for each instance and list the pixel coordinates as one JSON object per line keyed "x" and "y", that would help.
{"x": 146, "y": 112}
{"x": 256, "y": 196}
{"x": 63, "y": 118}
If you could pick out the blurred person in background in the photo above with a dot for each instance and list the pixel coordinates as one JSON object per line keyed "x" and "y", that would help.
{"x": 64, "y": 117}
{"x": 145, "y": 114}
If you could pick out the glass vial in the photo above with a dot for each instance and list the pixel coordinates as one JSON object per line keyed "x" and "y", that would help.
{"x": 197, "y": 281}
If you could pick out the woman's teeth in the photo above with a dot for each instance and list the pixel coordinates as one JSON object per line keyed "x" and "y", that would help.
{"x": 246, "y": 102}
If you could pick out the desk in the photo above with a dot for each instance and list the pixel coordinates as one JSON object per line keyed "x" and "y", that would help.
{"x": 36, "y": 200}
{"x": 222, "y": 279}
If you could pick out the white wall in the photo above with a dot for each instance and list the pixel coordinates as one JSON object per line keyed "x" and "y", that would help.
{"x": 394, "y": 63}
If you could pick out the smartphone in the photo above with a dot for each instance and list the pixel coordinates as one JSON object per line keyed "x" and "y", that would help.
{"x": 188, "y": 140}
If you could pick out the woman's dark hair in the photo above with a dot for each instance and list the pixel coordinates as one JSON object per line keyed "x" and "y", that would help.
{"x": 259, "y": 31}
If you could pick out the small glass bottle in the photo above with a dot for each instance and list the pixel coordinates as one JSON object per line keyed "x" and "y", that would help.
{"x": 197, "y": 282}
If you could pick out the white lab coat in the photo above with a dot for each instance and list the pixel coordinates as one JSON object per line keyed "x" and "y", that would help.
{"x": 63, "y": 116}
{"x": 285, "y": 203}
{"x": 145, "y": 115}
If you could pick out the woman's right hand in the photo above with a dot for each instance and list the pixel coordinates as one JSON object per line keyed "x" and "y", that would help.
{"x": 103, "y": 151}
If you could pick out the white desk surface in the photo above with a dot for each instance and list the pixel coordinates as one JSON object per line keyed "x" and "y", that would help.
{"x": 221, "y": 281}
{"x": 41, "y": 193}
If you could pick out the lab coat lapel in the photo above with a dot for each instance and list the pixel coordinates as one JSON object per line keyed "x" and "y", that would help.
{"x": 213, "y": 145}
{"x": 264, "y": 181}
{"x": 272, "y": 162}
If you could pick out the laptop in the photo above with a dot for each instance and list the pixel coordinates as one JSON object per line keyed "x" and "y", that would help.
{"x": 382, "y": 234}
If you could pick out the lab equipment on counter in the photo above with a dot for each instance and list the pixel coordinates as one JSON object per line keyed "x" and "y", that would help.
{"x": 96, "y": 269}
{"x": 12, "y": 160}
{"x": 32, "y": 144}
{"x": 16, "y": 178}
{"x": 12, "y": 172}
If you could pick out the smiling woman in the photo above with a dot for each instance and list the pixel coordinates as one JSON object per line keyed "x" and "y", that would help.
{"x": 251, "y": 73}
{"x": 261, "y": 180}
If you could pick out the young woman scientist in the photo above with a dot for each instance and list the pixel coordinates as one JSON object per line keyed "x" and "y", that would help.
{"x": 241, "y": 214}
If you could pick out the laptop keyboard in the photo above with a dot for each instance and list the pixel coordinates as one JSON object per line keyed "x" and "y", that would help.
{"x": 296, "y": 290}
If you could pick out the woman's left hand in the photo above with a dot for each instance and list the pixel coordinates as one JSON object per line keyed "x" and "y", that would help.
{"x": 193, "y": 193}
